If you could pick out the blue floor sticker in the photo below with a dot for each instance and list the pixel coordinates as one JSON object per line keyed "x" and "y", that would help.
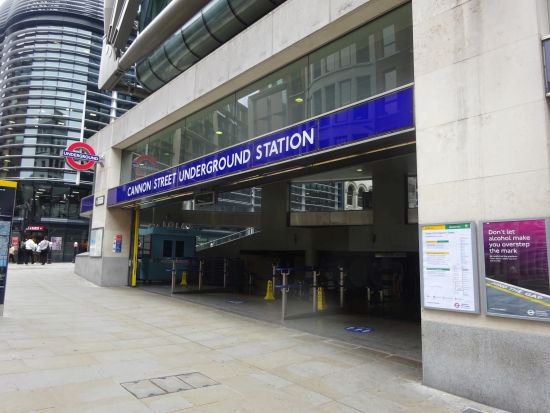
{"x": 235, "y": 302}
{"x": 354, "y": 329}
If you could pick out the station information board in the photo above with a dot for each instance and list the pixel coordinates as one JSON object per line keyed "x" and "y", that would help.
{"x": 449, "y": 267}
{"x": 7, "y": 199}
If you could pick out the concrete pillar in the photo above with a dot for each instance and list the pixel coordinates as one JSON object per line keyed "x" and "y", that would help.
{"x": 482, "y": 145}
{"x": 111, "y": 269}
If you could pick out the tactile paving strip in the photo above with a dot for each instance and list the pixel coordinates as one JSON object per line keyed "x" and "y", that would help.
{"x": 157, "y": 386}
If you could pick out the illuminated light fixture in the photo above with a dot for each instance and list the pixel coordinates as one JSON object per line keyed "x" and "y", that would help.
{"x": 92, "y": 114}
{"x": 10, "y": 128}
{"x": 359, "y": 170}
{"x": 299, "y": 100}
{"x": 60, "y": 123}
{"x": 219, "y": 132}
{"x": 11, "y": 121}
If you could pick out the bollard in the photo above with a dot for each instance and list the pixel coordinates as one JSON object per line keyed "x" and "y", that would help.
{"x": 321, "y": 299}
{"x": 274, "y": 274}
{"x": 201, "y": 270}
{"x": 269, "y": 292}
{"x": 225, "y": 270}
{"x": 314, "y": 290}
{"x": 284, "y": 292}
{"x": 342, "y": 275}
{"x": 173, "y": 275}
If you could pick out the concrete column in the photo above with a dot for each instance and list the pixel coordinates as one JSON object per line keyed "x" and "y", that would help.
{"x": 482, "y": 146}
{"x": 111, "y": 269}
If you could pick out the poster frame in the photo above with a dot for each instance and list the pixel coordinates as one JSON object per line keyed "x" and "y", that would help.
{"x": 99, "y": 241}
{"x": 482, "y": 267}
{"x": 475, "y": 267}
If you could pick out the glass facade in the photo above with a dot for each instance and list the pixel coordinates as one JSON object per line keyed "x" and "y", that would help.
{"x": 368, "y": 61}
{"x": 48, "y": 99}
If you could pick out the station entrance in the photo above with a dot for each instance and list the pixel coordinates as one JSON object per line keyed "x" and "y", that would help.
{"x": 333, "y": 252}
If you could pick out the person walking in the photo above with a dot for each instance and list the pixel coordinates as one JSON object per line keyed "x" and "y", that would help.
{"x": 12, "y": 254}
{"x": 30, "y": 248}
{"x": 43, "y": 248}
{"x": 75, "y": 250}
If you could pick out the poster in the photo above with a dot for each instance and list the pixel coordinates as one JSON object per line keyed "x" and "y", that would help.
{"x": 515, "y": 266}
{"x": 449, "y": 277}
{"x": 57, "y": 243}
{"x": 96, "y": 242}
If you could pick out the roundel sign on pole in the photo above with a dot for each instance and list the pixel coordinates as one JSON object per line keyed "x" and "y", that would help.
{"x": 81, "y": 156}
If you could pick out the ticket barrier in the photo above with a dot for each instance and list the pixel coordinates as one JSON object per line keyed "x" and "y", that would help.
{"x": 193, "y": 274}
{"x": 316, "y": 292}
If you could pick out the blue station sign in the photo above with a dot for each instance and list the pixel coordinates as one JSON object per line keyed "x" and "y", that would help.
{"x": 364, "y": 121}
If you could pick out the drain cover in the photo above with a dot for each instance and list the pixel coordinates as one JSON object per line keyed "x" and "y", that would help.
{"x": 157, "y": 386}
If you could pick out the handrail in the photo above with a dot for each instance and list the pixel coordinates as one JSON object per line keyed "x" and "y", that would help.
{"x": 227, "y": 238}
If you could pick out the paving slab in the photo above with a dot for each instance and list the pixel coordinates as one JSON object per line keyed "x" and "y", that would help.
{"x": 67, "y": 345}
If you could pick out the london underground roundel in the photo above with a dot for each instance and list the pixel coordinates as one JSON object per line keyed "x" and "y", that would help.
{"x": 80, "y": 156}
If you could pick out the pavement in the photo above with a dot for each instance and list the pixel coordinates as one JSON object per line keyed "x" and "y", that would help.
{"x": 69, "y": 346}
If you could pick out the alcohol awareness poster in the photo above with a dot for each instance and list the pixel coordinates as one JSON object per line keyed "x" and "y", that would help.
{"x": 516, "y": 268}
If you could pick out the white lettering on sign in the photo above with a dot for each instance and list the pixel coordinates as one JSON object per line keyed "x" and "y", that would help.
{"x": 285, "y": 144}
{"x": 139, "y": 188}
{"x": 228, "y": 161}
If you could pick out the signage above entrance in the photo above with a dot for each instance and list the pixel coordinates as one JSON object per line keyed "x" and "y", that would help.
{"x": 358, "y": 123}
{"x": 81, "y": 156}
{"x": 34, "y": 228}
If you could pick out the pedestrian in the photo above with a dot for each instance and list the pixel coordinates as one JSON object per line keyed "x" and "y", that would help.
{"x": 12, "y": 254}
{"x": 30, "y": 248}
{"x": 43, "y": 248}
{"x": 75, "y": 247}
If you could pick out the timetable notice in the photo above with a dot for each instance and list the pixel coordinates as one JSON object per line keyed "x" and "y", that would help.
{"x": 448, "y": 273}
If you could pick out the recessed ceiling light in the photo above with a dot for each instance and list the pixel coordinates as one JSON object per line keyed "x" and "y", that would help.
{"x": 299, "y": 100}
{"x": 219, "y": 132}
{"x": 359, "y": 170}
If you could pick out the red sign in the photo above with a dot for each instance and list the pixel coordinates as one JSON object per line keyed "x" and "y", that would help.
{"x": 80, "y": 156}
{"x": 144, "y": 165}
{"x": 34, "y": 228}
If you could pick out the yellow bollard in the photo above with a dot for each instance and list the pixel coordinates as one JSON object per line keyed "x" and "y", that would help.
{"x": 321, "y": 305}
{"x": 269, "y": 293}
{"x": 183, "y": 279}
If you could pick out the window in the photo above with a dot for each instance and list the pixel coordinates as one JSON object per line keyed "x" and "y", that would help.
{"x": 350, "y": 195}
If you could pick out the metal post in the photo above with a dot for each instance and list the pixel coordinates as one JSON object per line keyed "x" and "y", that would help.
{"x": 201, "y": 269}
{"x": 173, "y": 275}
{"x": 135, "y": 249}
{"x": 283, "y": 294}
{"x": 82, "y": 123}
{"x": 314, "y": 290}
{"x": 225, "y": 268}
{"x": 274, "y": 276}
{"x": 342, "y": 275}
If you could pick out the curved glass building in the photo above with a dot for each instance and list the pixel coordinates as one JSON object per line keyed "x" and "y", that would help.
{"x": 49, "y": 98}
